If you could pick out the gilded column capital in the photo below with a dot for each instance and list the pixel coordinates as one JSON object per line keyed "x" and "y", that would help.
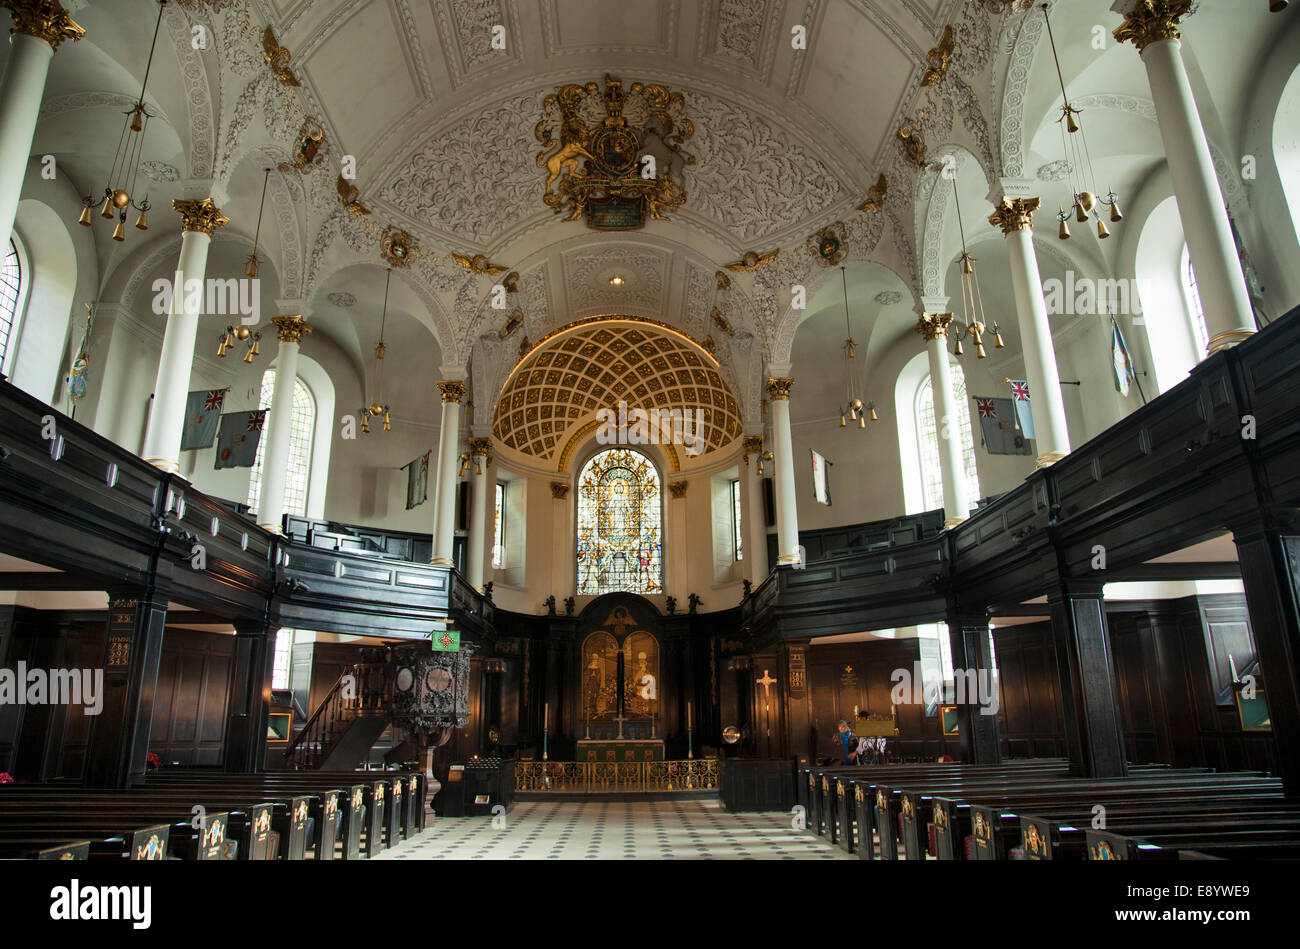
{"x": 480, "y": 447}
{"x": 1015, "y": 214}
{"x": 1152, "y": 21}
{"x": 560, "y": 490}
{"x": 201, "y": 216}
{"x": 753, "y": 444}
{"x": 778, "y": 390}
{"x": 933, "y": 326}
{"x": 291, "y": 329}
{"x": 44, "y": 19}
{"x": 452, "y": 391}
{"x": 678, "y": 488}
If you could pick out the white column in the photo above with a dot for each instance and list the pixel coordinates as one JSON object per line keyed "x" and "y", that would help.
{"x": 1222, "y": 286}
{"x": 444, "y": 498}
{"x": 755, "y": 522}
{"x": 162, "y": 440}
{"x": 564, "y": 576}
{"x": 1016, "y": 218}
{"x": 956, "y": 496}
{"x": 37, "y": 34}
{"x": 279, "y": 422}
{"x": 479, "y": 524}
{"x": 787, "y": 512}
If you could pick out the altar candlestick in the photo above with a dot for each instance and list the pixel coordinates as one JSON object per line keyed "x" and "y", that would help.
{"x": 688, "y": 716}
{"x": 546, "y": 717}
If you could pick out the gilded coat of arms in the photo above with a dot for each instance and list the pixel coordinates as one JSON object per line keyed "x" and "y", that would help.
{"x": 614, "y": 158}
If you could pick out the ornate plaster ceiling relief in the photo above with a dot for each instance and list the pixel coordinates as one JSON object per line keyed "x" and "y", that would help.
{"x": 565, "y": 379}
{"x": 466, "y": 30}
{"x": 643, "y": 270}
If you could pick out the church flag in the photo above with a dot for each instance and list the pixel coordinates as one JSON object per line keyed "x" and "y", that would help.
{"x": 1001, "y": 436}
{"x": 1122, "y": 362}
{"x": 202, "y": 413}
{"x": 1020, "y": 399}
{"x": 237, "y": 441}
{"x": 80, "y": 373}
{"x": 417, "y": 480}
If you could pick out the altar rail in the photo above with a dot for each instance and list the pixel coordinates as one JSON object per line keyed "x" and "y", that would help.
{"x": 610, "y": 777}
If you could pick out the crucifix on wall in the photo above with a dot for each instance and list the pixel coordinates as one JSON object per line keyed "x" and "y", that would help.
{"x": 766, "y": 682}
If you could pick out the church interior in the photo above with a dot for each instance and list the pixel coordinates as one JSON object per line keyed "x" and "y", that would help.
{"x": 807, "y": 429}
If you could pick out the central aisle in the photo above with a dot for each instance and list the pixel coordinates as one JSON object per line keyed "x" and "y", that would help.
{"x": 616, "y": 830}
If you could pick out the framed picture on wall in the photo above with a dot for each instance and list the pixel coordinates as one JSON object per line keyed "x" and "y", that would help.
{"x": 1253, "y": 712}
{"x": 949, "y": 713}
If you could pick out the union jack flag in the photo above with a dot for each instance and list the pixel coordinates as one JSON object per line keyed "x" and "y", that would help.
{"x": 986, "y": 408}
{"x": 256, "y": 420}
{"x": 1020, "y": 391}
{"x": 215, "y": 399}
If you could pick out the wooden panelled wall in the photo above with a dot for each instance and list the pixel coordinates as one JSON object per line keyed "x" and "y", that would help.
{"x": 1170, "y": 710}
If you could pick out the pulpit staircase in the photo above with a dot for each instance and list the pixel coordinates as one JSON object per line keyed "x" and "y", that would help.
{"x": 347, "y": 723}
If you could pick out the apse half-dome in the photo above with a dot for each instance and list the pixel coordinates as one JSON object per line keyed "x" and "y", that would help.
{"x": 554, "y": 393}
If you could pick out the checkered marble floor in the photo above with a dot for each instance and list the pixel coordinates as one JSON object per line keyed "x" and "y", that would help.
{"x": 617, "y": 830}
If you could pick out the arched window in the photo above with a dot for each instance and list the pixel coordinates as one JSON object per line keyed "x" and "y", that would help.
{"x": 927, "y": 438}
{"x": 300, "y": 439}
{"x": 1194, "y": 308}
{"x": 620, "y": 545}
{"x": 11, "y": 284}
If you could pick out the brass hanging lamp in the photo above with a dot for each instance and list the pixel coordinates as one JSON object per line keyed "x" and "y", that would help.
{"x": 853, "y": 410}
{"x": 378, "y": 407}
{"x": 119, "y": 190}
{"x": 253, "y": 260}
{"x": 1086, "y": 203}
{"x": 974, "y": 326}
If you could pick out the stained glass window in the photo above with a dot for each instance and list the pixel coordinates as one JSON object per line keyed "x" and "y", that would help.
{"x": 927, "y": 431}
{"x": 300, "y": 441}
{"x": 619, "y": 537}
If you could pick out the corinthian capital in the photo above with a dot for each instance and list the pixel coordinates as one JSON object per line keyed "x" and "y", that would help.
{"x": 452, "y": 391}
{"x": 291, "y": 329}
{"x": 778, "y": 390}
{"x": 1151, "y": 21}
{"x": 933, "y": 326}
{"x": 44, "y": 19}
{"x": 1015, "y": 214}
{"x": 201, "y": 216}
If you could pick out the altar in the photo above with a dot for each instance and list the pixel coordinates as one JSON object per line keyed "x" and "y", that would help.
{"x": 616, "y": 750}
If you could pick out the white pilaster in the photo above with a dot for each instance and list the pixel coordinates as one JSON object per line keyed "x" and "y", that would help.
{"x": 479, "y": 524}
{"x": 755, "y": 521}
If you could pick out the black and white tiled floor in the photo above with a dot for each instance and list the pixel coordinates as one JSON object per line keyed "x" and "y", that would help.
{"x": 617, "y": 830}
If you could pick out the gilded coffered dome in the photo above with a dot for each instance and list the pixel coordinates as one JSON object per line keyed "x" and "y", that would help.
{"x": 556, "y": 390}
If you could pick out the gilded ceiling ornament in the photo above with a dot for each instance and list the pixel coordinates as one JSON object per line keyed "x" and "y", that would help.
{"x": 201, "y": 216}
{"x": 515, "y": 321}
{"x": 829, "y": 245}
{"x": 724, "y": 282}
{"x": 912, "y": 141}
{"x": 752, "y": 260}
{"x": 350, "y": 195}
{"x": 478, "y": 264}
{"x": 1015, "y": 214}
{"x": 721, "y": 322}
{"x": 933, "y": 326}
{"x": 44, "y": 19}
{"x": 875, "y": 196}
{"x": 309, "y": 148}
{"x": 511, "y": 282}
{"x": 622, "y": 170}
{"x": 278, "y": 58}
{"x": 291, "y": 329}
{"x": 1152, "y": 21}
{"x": 398, "y": 247}
{"x": 940, "y": 58}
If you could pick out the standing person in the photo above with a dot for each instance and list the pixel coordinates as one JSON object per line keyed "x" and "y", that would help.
{"x": 848, "y": 747}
